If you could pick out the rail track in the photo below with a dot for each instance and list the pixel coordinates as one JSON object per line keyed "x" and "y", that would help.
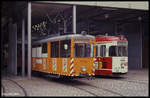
{"x": 3, "y": 90}
{"x": 81, "y": 85}
{"x": 97, "y": 88}
{"x": 21, "y": 87}
{"x": 78, "y": 84}
{"x": 122, "y": 79}
{"x": 132, "y": 81}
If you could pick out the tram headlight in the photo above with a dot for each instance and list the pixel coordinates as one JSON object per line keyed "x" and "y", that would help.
{"x": 83, "y": 68}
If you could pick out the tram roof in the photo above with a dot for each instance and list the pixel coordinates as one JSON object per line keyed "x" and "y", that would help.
{"x": 64, "y": 37}
{"x": 110, "y": 38}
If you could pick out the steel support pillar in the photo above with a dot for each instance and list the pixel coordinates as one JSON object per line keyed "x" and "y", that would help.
{"x": 141, "y": 42}
{"x": 23, "y": 48}
{"x": 12, "y": 49}
{"x": 74, "y": 19}
{"x": 15, "y": 48}
{"x": 29, "y": 40}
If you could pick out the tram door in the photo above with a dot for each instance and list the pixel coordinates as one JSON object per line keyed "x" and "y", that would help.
{"x": 104, "y": 62}
{"x": 100, "y": 54}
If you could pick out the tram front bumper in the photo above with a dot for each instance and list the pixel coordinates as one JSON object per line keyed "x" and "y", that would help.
{"x": 85, "y": 75}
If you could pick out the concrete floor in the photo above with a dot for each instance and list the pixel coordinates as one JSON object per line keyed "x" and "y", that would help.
{"x": 135, "y": 83}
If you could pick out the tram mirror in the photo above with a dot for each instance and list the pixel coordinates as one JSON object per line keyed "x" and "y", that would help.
{"x": 65, "y": 46}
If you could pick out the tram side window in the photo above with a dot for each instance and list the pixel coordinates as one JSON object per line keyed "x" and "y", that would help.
{"x": 79, "y": 50}
{"x": 103, "y": 50}
{"x": 87, "y": 50}
{"x": 34, "y": 52}
{"x": 82, "y": 50}
{"x": 55, "y": 49}
{"x": 65, "y": 48}
{"x": 44, "y": 48}
{"x": 113, "y": 51}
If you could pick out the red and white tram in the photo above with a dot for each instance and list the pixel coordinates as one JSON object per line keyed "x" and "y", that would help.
{"x": 111, "y": 55}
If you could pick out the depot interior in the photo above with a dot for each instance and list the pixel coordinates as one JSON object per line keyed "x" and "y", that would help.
{"x": 95, "y": 20}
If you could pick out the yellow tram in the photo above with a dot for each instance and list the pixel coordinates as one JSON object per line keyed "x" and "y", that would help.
{"x": 65, "y": 55}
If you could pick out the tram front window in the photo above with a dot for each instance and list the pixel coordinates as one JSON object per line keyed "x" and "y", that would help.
{"x": 113, "y": 51}
{"x": 83, "y": 50}
{"x": 122, "y": 51}
{"x": 118, "y": 51}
